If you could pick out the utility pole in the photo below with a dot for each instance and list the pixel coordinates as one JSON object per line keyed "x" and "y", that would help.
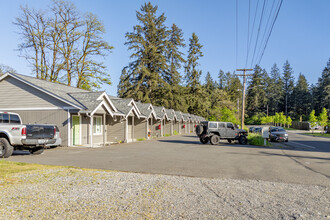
{"x": 243, "y": 96}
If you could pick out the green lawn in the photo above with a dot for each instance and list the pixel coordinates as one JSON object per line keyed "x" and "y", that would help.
{"x": 318, "y": 134}
{"x": 257, "y": 140}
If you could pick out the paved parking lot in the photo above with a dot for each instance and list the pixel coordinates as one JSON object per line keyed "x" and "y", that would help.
{"x": 186, "y": 156}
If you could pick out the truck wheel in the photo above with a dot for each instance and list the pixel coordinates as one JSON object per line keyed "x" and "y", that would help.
{"x": 6, "y": 150}
{"x": 204, "y": 140}
{"x": 37, "y": 150}
{"x": 242, "y": 140}
{"x": 215, "y": 139}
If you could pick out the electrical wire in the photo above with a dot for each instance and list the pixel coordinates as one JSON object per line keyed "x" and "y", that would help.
{"x": 236, "y": 33}
{"x": 248, "y": 36}
{"x": 254, "y": 19}
{"x": 271, "y": 30}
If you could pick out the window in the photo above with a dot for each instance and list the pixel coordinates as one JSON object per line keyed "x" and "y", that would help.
{"x": 222, "y": 125}
{"x": 5, "y": 118}
{"x": 14, "y": 119}
{"x": 0, "y": 118}
{"x": 97, "y": 125}
{"x": 230, "y": 125}
{"x": 213, "y": 125}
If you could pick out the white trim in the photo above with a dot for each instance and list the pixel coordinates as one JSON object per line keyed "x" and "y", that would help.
{"x": 95, "y": 117}
{"x": 38, "y": 108}
{"x": 105, "y": 105}
{"x": 80, "y": 131}
{"x": 69, "y": 128}
{"x": 104, "y": 94}
{"x": 44, "y": 91}
{"x": 134, "y": 104}
{"x": 132, "y": 109}
{"x": 4, "y": 76}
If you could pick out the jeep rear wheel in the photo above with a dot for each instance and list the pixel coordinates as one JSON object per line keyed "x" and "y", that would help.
{"x": 6, "y": 150}
{"x": 215, "y": 139}
{"x": 204, "y": 140}
{"x": 242, "y": 140}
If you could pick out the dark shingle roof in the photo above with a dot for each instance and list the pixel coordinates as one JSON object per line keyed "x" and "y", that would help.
{"x": 87, "y": 99}
{"x": 144, "y": 108}
{"x": 159, "y": 112}
{"x": 170, "y": 113}
{"x": 122, "y": 105}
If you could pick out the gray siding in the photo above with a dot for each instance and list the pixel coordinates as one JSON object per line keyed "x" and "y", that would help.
{"x": 85, "y": 130}
{"x": 115, "y": 129}
{"x": 176, "y": 127}
{"x": 15, "y": 94}
{"x": 57, "y": 117}
{"x": 140, "y": 128}
{"x": 167, "y": 127}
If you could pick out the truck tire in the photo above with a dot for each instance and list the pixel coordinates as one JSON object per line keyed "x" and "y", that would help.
{"x": 204, "y": 140}
{"x": 6, "y": 150}
{"x": 242, "y": 140}
{"x": 37, "y": 150}
{"x": 215, "y": 139}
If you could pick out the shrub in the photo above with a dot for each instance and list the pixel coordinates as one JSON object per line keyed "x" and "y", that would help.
{"x": 166, "y": 135}
{"x": 175, "y": 132}
{"x": 141, "y": 139}
{"x": 257, "y": 140}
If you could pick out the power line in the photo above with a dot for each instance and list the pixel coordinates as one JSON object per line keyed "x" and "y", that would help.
{"x": 236, "y": 32}
{"x": 255, "y": 47}
{"x": 279, "y": 8}
{"x": 248, "y": 35}
{"x": 255, "y": 15}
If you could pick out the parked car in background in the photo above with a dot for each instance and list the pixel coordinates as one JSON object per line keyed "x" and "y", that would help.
{"x": 58, "y": 139}
{"x": 278, "y": 134}
{"x": 257, "y": 130}
{"x": 213, "y": 131}
{"x": 251, "y": 129}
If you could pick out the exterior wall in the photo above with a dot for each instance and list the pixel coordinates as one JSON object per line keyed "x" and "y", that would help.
{"x": 115, "y": 129}
{"x": 167, "y": 127}
{"x": 140, "y": 128}
{"x": 192, "y": 127}
{"x": 15, "y": 94}
{"x": 85, "y": 130}
{"x": 176, "y": 126}
{"x": 98, "y": 138}
{"x": 157, "y": 132}
{"x": 57, "y": 117}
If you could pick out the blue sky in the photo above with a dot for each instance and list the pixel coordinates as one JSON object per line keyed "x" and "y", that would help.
{"x": 301, "y": 33}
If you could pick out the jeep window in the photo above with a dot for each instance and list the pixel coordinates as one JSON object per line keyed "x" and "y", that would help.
{"x": 5, "y": 118}
{"x": 14, "y": 119}
{"x": 212, "y": 125}
{"x": 230, "y": 125}
{"x": 222, "y": 125}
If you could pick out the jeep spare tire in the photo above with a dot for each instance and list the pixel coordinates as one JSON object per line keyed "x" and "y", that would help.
{"x": 215, "y": 139}
{"x": 242, "y": 140}
{"x": 199, "y": 130}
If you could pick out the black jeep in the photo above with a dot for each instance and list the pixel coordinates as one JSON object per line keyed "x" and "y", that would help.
{"x": 213, "y": 131}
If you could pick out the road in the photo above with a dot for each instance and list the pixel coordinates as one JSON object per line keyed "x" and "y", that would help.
{"x": 186, "y": 156}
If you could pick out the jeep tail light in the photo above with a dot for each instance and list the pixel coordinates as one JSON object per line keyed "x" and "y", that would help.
{"x": 23, "y": 131}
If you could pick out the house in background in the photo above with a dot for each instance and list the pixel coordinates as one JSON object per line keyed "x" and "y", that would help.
{"x": 134, "y": 125}
{"x": 85, "y": 118}
{"x": 148, "y": 112}
{"x": 79, "y": 114}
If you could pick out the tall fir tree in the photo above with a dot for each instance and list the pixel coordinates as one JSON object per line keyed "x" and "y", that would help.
{"x": 322, "y": 91}
{"x": 148, "y": 43}
{"x": 288, "y": 85}
{"x": 275, "y": 89}
{"x": 301, "y": 97}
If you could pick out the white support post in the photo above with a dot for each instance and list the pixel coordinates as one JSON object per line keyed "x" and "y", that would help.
{"x": 91, "y": 130}
{"x": 69, "y": 128}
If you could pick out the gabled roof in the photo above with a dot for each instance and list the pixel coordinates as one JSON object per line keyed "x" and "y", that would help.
{"x": 170, "y": 114}
{"x": 85, "y": 101}
{"x": 125, "y": 106}
{"x": 146, "y": 109}
{"x": 178, "y": 115}
{"x": 160, "y": 112}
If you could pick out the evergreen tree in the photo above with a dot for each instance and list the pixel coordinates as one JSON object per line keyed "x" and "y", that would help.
{"x": 288, "y": 85}
{"x": 301, "y": 97}
{"x": 124, "y": 83}
{"x": 222, "y": 79}
{"x": 256, "y": 99}
{"x": 275, "y": 89}
{"x": 209, "y": 85}
{"x": 148, "y": 70}
{"x": 322, "y": 90}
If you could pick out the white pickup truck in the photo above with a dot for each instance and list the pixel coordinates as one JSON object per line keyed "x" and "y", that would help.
{"x": 16, "y": 136}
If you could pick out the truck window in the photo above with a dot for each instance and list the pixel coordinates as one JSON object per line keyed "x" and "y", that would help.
{"x": 0, "y": 118}
{"x": 5, "y": 118}
{"x": 14, "y": 119}
{"x": 213, "y": 125}
{"x": 230, "y": 125}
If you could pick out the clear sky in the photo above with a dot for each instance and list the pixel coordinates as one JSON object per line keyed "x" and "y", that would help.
{"x": 300, "y": 35}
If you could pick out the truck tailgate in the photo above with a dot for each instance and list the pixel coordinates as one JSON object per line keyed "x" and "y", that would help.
{"x": 40, "y": 131}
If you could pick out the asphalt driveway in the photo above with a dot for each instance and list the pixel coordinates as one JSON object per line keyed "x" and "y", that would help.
{"x": 186, "y": 156}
